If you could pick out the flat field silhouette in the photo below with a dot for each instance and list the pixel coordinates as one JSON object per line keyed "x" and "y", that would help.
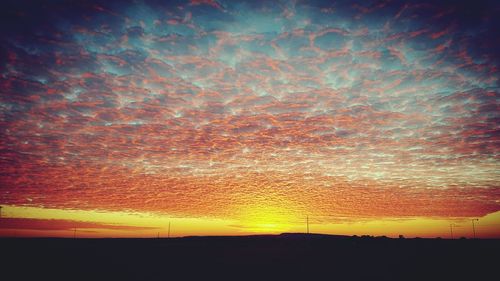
{"x": 260, "y": 257}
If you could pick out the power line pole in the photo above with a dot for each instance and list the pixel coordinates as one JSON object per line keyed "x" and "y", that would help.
{"x": 474, "y": 227}
{"x": 451, "y": 230}
{"x": 307, "y": 221}
{"x": 168, "y": 229}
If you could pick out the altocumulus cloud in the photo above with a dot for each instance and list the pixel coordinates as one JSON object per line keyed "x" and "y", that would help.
{"x": 204, "y": 108}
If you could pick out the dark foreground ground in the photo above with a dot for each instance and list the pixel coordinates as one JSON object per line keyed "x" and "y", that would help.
{"x": 282, "y": 257}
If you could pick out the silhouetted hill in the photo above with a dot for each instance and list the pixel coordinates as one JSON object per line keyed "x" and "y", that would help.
{"x": 288, "y": 256}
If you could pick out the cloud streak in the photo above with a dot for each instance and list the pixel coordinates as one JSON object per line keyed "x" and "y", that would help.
{"x": 62, "y": 225}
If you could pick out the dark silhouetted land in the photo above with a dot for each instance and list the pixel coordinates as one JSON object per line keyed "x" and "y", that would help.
{"x": 268, "y": 257}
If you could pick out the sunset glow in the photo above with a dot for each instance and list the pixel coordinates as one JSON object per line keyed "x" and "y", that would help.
{"x": 246, "y": 117}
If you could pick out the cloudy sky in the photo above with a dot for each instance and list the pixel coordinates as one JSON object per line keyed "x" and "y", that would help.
{"x": 247, "y": 116}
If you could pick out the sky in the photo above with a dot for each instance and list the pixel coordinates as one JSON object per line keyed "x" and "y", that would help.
{"x": 248, "y": 117}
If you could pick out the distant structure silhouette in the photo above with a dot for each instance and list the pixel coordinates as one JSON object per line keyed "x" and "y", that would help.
{"x": 307, "y": 222}
{"x": 474, "y": 227}
{"x": 0, "y": 212}
{"x": 451, "y": 229}
{"x": 168, "y": 230}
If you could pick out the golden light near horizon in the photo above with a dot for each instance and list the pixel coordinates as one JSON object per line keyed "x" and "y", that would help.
{"x": 266, "y": 219}
{"x": 56, "y": 223}
{"x": 243, "y": 117}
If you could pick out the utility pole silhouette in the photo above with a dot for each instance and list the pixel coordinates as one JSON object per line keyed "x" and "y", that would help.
{"x": 474, "y": 227}
{"x": 168, "y": 230}
{"x": 307, "y": 222}
{"x": 451, "y": 230}
{"x": 74, "y": 232}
